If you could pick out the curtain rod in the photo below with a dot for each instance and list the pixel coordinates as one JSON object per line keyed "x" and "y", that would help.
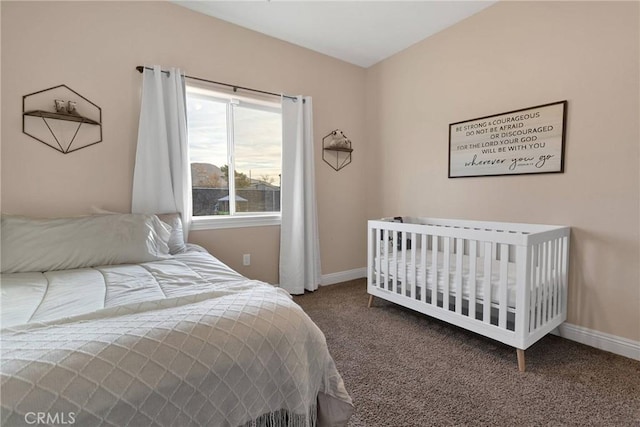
{"x": 141, "y": 68}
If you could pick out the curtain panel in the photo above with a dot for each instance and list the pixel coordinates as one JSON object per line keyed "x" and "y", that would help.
{"x": 299, "y": 237}
{"x": 162, "y": 178}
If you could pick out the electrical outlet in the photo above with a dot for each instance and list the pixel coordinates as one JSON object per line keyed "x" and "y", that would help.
{"x": 246, "y": 259}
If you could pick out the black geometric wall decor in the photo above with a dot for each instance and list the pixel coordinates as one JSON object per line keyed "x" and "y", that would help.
{"x": 336, "y": 149}
{"x": 62, "y": 119}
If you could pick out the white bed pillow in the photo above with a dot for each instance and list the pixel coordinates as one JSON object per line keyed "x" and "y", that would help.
{"x": 65, "y": 243}
{"x": 177, "y": 244}
{"x": 176, "y": 241}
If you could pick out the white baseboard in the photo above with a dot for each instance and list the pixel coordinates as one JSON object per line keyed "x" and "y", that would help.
{"x": 343, "y": 276}
{"x": 600, "y": 340}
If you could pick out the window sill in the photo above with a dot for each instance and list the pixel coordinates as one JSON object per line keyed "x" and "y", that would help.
{"x": 218, "y": 222}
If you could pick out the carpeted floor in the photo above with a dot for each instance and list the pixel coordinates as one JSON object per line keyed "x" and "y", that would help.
{"x": 406, "y": 369}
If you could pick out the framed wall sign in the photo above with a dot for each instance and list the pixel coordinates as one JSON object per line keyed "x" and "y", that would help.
{"x": 526, "y": 141}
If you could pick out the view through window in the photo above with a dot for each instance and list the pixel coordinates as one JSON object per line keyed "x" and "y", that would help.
{"x": 233, "y": 137}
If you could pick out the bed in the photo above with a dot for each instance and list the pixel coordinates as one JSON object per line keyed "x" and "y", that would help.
{"x": 506, "y": 281}
{"x": 112, "y": 320}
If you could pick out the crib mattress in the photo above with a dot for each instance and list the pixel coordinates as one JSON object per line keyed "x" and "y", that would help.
{"x": 404, "y": 273}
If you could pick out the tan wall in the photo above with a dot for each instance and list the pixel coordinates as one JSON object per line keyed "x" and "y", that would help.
{"x": 515, "y": 55}
{"x": 93, "y": 47}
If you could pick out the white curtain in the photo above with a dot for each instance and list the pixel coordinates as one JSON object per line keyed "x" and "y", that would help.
{"x": 161, "y": 178}
{"x": 299, "y": 239}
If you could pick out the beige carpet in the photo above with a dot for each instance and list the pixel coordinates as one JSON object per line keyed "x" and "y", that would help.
{"x": 406, "y": 369}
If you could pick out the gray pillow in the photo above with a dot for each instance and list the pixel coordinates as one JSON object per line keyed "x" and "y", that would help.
{"x": 66, "y": 243}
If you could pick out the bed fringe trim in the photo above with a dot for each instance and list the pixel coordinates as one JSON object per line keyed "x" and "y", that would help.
{"x": 284, "y": 418}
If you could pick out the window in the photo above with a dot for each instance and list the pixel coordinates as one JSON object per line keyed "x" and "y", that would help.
{"x": 239, "y": 137}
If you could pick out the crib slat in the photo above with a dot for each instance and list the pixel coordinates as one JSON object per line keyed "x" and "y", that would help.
{"x": 549, "y": 282}
{"x": 535, "y": 273}
{"x": 403, "y": 268}
{"x": 558, "y": 277}
{"x": 533, "y": 300}
{"x": 547, "y": 279}
{"x": 549, "y": 286}
{"x": 523, "y": 290}
{"x": 533, "y": 260}
{"x": 388, "y": 259}
{"x": 553, "y": 298}
{"x": 541, "y": 276}
{"x": 387, "y": 271}
{"x": 565, "y": 271}
{"x": 502, "y": 292}
{"x": 543, "y": 284}
{"x": 383, "y": 259}
{"x": 486, "y": 302}
{"x": 458, "y": 275}
{"x": 536, "y": 303}
{"x": 434, "y": 271}
{"x": 446, "y": 269}
{"x": 473, "y": 254}
{"x": 562, "y": 271}
{"x": 423, "y": 267}
{"x": 378, "y": 256}
{"x": 394, "y": 273}
{"x": 413, "y": 267}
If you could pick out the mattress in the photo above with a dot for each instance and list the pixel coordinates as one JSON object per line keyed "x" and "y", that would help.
{"x": 404, "y": 272}
{"x": 180, "y": 341}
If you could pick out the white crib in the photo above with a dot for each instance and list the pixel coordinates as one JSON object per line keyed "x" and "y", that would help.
{"x": 506, "y": 281}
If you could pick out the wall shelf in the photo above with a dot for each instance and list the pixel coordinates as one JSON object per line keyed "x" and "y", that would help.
{"x": 61, "y": 116}
{"x": 49, "y": 127}
{"x": 336, "y": 149}
{"x": 346, "y": 150}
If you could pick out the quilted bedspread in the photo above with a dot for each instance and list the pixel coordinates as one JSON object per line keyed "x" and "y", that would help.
{"x": 184, "y": 341}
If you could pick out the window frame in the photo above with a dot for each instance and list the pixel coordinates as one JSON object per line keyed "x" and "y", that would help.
{"x": 237, "y": 219}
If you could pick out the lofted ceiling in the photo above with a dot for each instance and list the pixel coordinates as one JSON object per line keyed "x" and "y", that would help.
{"x": 359, "y": 32}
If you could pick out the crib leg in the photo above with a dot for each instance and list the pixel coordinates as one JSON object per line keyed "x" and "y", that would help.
{"x": 521, "y": 363}
{"x": 370, "y": 301}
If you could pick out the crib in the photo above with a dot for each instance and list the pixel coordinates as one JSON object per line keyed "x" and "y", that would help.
{"x": 506, "y": 281}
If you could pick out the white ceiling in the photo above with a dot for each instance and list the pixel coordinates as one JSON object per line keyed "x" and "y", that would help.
{"x": 360, "y": 32}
